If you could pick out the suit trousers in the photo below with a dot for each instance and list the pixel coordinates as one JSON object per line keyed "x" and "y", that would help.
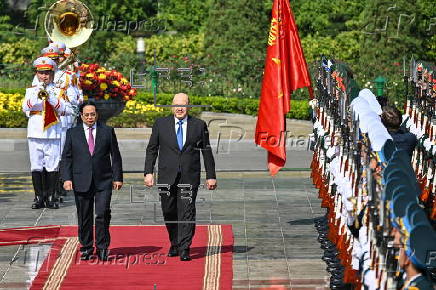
{"x": 178, "y": 208}
{"x": 85, "y": 202}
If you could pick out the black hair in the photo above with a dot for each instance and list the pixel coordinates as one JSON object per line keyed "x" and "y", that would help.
{"x": 87, "y": 103}
{"x": 391, "y": 118}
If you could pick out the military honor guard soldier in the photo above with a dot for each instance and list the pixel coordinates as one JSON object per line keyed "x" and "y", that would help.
{"x": 44, "y": 105}
{"x": 67, "y": 81}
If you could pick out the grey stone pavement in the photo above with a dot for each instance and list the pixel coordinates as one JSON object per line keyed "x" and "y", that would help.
{"x": 275, "y": 244}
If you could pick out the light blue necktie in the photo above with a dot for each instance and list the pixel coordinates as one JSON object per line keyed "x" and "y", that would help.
{"x": 180, "y": 135}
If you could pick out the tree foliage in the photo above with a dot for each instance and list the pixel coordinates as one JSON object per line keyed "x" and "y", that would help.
{"x": 127, "y": 10}
{"x": 20, "y": 52}
{"x": 326, "y": 17}
{"x": 235, "y": 40}
{"x": 389, "y": 34}
{"x": 184, "y": 16}
{"x": 229, "y": 37}
{"x": 168, "y": 50}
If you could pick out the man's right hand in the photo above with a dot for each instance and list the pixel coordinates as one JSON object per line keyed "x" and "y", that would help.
{"x": 68, "y": 185}
{"x": 149, "y": 180}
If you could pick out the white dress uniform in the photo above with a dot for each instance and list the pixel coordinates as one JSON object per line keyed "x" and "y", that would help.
{"x": 45, "y": 139}
{"x": 67, "y": 81}
{"x": 44, "y": 144}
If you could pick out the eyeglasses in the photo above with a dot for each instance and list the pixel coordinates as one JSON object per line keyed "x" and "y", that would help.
{"x": 89, "y": 114}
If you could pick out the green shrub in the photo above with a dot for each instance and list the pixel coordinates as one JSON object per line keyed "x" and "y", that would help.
{"x": 299, "y": 109}
{"x": 13, "y": 91}
{"x": 13, "y": 120}
{"x": 129, "y": 120}
{"x": 18, "y": 52}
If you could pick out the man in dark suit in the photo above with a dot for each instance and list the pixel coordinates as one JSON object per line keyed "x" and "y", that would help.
{"x": 92, "y": 167}
{"x": 178, "y": 140}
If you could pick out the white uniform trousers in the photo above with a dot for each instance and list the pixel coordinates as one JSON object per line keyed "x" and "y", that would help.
{"x": 44, "y": 153}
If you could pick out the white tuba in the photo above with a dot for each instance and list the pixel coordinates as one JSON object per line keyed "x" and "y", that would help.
{"x": 70, "y": 22}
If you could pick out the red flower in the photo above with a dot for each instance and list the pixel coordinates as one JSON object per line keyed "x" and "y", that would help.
{"x": 132, "y": 92}
{"x": 97, "y": 82}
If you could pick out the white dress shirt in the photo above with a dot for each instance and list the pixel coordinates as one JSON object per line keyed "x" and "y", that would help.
{"x": 86, "y": 129}
{"x": 184, "y": 126}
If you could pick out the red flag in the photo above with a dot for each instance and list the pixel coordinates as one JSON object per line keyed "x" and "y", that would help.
{"x": 49, "y": 114}
{"x": 285, "y": 71}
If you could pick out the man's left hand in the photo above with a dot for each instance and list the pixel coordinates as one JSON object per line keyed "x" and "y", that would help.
{"x": 211, "y": 184}
{"x": 116, "y": 185}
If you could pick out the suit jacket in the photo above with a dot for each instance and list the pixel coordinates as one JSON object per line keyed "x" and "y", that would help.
{"x": 163, "y": 142}
{"x": 104, "y": 166}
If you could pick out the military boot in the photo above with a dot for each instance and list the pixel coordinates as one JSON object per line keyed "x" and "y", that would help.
{"x": 37, "y": 181}
{"x": 52, "y": 183}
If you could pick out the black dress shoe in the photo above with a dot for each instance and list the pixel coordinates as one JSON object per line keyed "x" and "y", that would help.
{"x": 330, "y": 254}
{"x": 173, "y": 252}
{"x": 102, "y": 254}
{"x": 184, "y": 255}
{"x": 335, "y": 274}
{"x": 323, "y": 241}
{"x": 53, "y": 205}
{"x": 332, "y": 262}
{"x": 37, "y": 205}
{"x": 329, "y": 259}
{"x": 337, "y": 278}
{"x": 339, "y": 286}
{"x": 335, "y": 268}
{"x": 328, "y": 247}
{"x": 336, "y": 281}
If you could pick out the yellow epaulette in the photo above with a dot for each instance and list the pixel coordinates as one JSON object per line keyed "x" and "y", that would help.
{"x": 67, "y": 81}
{"x": 63, "y": 95}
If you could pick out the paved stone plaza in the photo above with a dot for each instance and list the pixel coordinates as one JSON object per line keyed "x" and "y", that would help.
{"x": 275, "y": 244}
{"x": 275, "y": 240}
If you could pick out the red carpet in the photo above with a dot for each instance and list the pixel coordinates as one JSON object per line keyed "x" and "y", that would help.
{"x": 28, "y": 235}
{"x": 137, "y": 259}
